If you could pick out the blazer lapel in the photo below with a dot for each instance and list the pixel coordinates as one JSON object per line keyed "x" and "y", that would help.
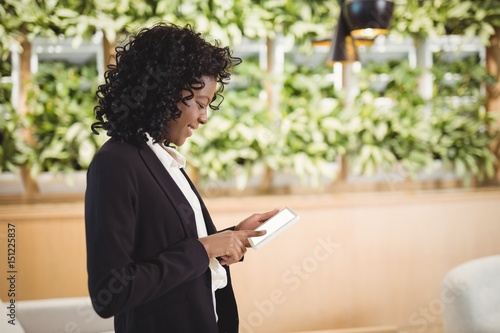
{"x": 171, "y": 190}
{"x": 211, "y": 229}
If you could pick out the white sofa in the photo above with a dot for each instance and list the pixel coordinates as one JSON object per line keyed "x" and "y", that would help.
{"x": 470, "y": 296}
{"x": 74, "y": 314}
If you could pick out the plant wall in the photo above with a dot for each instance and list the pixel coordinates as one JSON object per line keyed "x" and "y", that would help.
{"x": 61, "y": 103}
{"x": 311, "y": 133}
{"x": 312, "y": 128}
{"x": 243, "y": 137}
{"x": 463, "y": 132}
{"x": 433, "y": 18}
{"x": 386, "y": 122}
{"x": 13, "y": 148}
{"x": 391, "y": 126}
{"x": 237, "y": 137}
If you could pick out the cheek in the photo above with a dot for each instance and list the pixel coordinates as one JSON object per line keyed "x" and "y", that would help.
{"x": 189, "y": 114}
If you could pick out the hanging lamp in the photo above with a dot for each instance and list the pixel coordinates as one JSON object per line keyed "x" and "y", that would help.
{"x": 342, "y": 48}
{"x": 367, "y": 18}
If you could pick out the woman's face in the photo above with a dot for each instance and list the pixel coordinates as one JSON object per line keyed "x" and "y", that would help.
{"x": 194, "y": 112}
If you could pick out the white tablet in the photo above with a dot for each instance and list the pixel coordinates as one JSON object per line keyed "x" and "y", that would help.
{"x": 274, "y": 226}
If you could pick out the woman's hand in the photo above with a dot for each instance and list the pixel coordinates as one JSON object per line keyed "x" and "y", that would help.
{"x": 228, "y": 245}
{"x": 254, "y": 220}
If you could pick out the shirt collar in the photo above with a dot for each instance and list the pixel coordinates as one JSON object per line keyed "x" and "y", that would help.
{"x": 168, "y": 156}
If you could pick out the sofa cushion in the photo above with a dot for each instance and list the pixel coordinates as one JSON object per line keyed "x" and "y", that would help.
{"x": 73, "y": 314}
{"x": 471, "y": 297}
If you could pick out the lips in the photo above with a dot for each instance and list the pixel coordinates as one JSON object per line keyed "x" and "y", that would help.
{"x": 191, "y": 129}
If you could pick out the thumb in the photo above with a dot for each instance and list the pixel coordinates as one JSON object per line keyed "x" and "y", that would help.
{"x": 269, "y": 214}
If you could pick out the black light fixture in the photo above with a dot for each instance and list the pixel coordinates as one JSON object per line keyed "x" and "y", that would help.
{"x": 360, "y": 21}
{"x": 367, "y": 18}
{"x": 342, "y": 48}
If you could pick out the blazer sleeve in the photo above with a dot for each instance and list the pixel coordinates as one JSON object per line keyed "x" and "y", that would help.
{"x": 117, "y": 280}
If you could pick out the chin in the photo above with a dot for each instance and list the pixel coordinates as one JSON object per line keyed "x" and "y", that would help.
{"x": 179, "y": 143}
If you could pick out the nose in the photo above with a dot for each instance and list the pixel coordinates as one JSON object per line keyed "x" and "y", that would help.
{"x": 203, "y": 118}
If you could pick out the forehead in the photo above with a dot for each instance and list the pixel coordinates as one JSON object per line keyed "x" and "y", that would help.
{"x": 210, "y": 83}
{"x": 208, "y": 90}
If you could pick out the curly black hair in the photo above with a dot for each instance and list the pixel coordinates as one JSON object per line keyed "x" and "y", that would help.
{"x": 141, "y": 92}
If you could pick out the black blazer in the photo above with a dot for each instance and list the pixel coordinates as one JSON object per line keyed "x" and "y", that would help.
{"x": 145, "y": 264}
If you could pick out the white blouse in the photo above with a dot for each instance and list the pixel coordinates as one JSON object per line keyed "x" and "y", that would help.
{"x": 173, "y": 161}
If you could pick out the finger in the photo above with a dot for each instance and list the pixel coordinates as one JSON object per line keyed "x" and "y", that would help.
{"x": 234, "y": 256}
{"x": 254, "y": 233}
{"x": 238, "y": 248}
{"x": 269, "y": 214}
{"x": 228, "y": 261}
{"x": 224, "y": 258}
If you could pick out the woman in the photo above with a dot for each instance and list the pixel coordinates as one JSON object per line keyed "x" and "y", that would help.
{"x": 155, "y": 260}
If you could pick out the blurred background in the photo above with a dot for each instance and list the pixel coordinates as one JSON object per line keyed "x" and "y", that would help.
{"x": 375, "y": 120}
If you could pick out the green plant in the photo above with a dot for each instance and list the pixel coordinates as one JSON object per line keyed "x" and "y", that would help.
{"x": 13, "y": 149}
{"x": 462, "y": 132}
{"x": 431, "y": 18}
{"x": 24, "y": 19}
{"x": 61, "y": 102}
{"x": 383, "y": 136}
{"x": 311, "y": 135}
{"x": 462, "y": 137}
{"x": 464, "y": 77}
{"x": 472, "y": 18}
{"x": 394, "y": 125}
{"x": 237, "y": 137}
{"x": 387, "y": 125}
{"x": 243, "y": 137}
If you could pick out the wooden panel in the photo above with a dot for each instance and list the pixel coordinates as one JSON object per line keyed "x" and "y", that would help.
{"x": 353, "y": 260}
{"x": 378, "y": 329}
{"x": 361, "y": 260}
{"x": 50, "y": 250}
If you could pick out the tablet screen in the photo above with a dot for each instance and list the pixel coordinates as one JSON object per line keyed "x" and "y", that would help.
{"x": 274, "y": 226}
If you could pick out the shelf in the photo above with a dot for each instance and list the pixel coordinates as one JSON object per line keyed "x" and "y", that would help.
{"x": 6, "y": 79}
{"x": 70, "y": 50}
{"x": 386, "y": 48}
{"x": 454, "y": 47}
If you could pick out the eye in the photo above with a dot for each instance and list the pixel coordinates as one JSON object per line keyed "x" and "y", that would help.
{"x": 201, "y": 106}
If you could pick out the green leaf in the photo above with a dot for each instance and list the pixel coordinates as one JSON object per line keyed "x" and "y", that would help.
{"x": 66, "y": 13}
{"x": 459, "y": 10}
